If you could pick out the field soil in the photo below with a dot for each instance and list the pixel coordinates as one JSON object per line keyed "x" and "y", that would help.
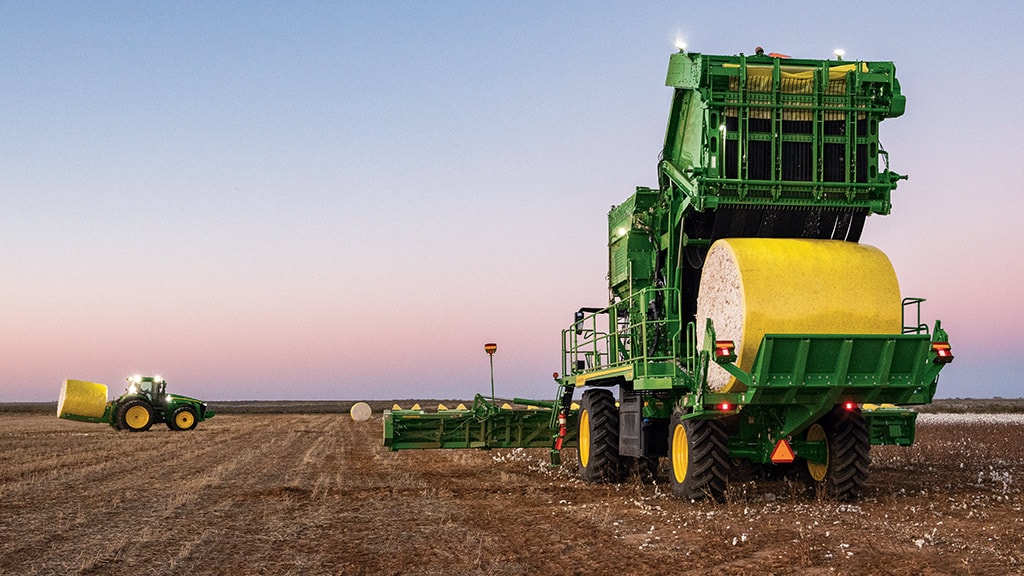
{"x": 271, "y": 493}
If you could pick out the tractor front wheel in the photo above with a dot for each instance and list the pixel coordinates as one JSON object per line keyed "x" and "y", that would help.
{"x": 135, "y": 415}
{"x": 184, "y": 418}
{"x": 844, "y": 473}
{"x": 699, "y": 457}
{"x": 599, "y": 438}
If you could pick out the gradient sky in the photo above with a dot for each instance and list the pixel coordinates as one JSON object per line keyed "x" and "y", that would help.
{"x": 296, "y": 200}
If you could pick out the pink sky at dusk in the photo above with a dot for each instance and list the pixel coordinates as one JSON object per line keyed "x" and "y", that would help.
{"x": 333, "y": 202}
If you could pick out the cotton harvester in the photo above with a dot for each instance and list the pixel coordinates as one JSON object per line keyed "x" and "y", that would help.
{"x": 746, "y": 324}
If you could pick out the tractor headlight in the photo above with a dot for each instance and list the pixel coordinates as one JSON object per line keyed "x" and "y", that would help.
{"x": 168, "y": 398}
{"x": 133, "y": 389}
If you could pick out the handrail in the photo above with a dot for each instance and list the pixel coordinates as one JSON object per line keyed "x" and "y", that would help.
{"x": 629, "y": 337}
{"x": 918, "y": 327}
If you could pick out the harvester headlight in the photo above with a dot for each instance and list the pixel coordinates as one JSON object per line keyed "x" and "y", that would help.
{"x": 839, "y": 52}
{"x": 943, "y": 353}
{"x": 680, "y": 44}
{"x": 621, "y": 231}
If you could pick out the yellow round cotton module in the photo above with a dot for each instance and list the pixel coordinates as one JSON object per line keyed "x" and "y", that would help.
{"x": 78, "y": 398}
{"x": 756, "y": 286}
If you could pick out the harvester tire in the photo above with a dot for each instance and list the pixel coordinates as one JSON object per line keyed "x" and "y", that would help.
{"x": 698, "y": 458}
{"x": 599, "y": 438}
{"x": 184, "y": 418}
{"x": 844, "y": 475}
{"x": 135, "y": 415}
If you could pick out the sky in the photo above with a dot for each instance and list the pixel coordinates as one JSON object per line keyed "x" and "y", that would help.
{"x": 334, "y": 200}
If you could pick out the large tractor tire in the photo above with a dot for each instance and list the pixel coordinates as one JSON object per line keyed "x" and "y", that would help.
{"x": 183, "y": 418}
{"x": 599, "y": 438}
{"x": 698, "y": 458}
{"x": 844, "y": 474}
{"x": 135, "y": 415}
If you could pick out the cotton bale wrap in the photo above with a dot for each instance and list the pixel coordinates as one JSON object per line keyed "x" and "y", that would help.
{"x": 756, "y": 286}
{"x": 81, "y": 399}
{"x": 360, "y": 411}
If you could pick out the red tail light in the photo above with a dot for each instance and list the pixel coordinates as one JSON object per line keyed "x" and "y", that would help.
{"x": 943, "y": 353}
{"x": 725, "y": 350}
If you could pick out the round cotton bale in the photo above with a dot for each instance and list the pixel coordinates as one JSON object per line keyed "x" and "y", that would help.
{"x": 78, "y": 398}
{"x": 756, "y": 286}
{"x": 361, "y": 411}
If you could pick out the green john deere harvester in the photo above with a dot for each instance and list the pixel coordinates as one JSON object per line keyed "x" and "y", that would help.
{"x": 746, "y": 327}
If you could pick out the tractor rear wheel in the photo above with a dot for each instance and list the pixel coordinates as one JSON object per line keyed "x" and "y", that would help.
{"x": 844, "y": 474}
{"x": 135, "y": 415}
{"x": 183, "y": 418}
{"x": 698, "y": 457}
{"x": 599, "y": 438}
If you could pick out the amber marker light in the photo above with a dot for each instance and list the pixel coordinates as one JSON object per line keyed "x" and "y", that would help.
{"x": 491, "y": 348}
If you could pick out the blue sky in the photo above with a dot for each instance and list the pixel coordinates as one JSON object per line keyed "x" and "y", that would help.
{"x": 329, "y": 200}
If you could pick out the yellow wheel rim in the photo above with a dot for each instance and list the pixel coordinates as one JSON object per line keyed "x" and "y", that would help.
{"x": 184, "y": 419}
{"x": 818, "y": 471}
{"x": 680, "y": 453}
{"x": 137, "y": 417}
{"x": 584, "y": 438}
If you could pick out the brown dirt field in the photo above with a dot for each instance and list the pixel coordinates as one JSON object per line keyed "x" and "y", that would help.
{"x": 318, "y": 494}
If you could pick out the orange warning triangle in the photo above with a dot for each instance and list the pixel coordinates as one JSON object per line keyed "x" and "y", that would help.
{"x": 783, "y": 453}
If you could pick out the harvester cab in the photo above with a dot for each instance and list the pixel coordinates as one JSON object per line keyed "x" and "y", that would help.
{"x": 145, "y": 402}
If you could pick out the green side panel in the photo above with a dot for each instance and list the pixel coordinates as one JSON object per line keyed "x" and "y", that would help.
{"x": 886, "y": 368}
{"x": 798, "y": 378}
{"x": 683, "y": 71}
{"x": 630, "y": 247}
{"x": 893, "y": 426}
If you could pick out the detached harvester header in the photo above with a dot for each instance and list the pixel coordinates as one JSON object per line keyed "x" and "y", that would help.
{"x": 746, "y": 324}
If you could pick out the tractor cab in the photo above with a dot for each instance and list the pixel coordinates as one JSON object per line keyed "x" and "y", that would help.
{"x": 153, "y": 387}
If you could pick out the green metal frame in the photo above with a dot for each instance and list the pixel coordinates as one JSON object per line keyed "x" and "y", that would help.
{"x": 485, "y": 425}
{"x": 758, "y": 95}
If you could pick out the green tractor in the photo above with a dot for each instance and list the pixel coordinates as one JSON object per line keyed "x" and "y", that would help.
{"x": 144, "y": 403}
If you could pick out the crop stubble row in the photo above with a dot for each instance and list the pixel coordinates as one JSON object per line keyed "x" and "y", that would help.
{"x": 318, "y": 494}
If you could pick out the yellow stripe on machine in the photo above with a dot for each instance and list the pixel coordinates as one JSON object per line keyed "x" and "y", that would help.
{"x": 624, "y": 371}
